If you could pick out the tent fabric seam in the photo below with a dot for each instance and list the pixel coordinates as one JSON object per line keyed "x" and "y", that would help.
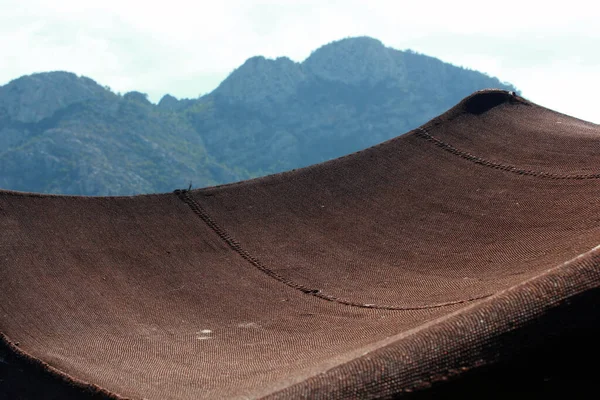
{"x": 424, "y": 134}
{"x": 185, "y": 196}
{"x": 570, "y": 268}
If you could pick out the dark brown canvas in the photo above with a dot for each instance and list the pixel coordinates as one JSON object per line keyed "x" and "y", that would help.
{"x": 453, "y": 253}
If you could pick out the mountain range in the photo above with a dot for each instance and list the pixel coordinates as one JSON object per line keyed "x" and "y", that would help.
{"x": 67, "y": 134}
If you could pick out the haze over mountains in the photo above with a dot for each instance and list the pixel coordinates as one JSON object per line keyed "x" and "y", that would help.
{"x": 60, "y": 133}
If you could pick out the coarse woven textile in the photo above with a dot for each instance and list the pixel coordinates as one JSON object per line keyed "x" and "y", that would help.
{"x": 423, "y": 266}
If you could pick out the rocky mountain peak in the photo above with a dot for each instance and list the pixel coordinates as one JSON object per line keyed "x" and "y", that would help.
{"x": 34, "y": 97}
{"x": 168, "y": 102}
{"x": 260, "y": 79}
{"x": 137, "y": 97}
{"x": 355, "y": 60}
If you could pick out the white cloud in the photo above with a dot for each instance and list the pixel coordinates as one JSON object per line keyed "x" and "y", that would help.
{"x": 187, "y": 47}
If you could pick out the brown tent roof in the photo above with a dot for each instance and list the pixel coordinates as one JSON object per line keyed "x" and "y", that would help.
{"x": 430, "y": 256}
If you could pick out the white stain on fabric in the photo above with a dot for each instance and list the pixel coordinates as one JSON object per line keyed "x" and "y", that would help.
{"x": 204, "y": 334}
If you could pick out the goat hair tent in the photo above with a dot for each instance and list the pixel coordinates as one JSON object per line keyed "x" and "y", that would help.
{"x": 454, "y": 259}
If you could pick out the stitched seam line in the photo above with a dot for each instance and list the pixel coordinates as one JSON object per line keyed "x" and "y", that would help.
{"x": 184, "y": 195}
{"x": 423, "y": 134}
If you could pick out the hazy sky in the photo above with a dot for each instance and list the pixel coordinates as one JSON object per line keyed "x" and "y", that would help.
{"x": 186, "y": 48}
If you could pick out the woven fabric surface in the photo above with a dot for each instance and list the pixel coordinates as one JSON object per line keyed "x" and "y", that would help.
{"x": 379, "y": 274}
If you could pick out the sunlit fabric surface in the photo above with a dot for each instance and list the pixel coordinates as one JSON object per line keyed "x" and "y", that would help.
{"x": 433, "y": 256}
